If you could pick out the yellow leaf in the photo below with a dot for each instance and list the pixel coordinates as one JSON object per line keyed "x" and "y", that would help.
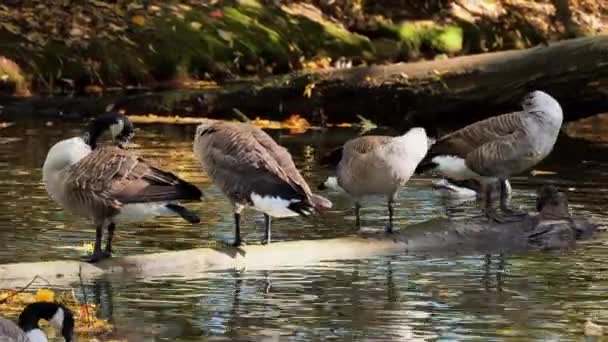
{"x": 138, "y": 20}
{"x": 87, "y": 247}
{"x": 308, "y": 89}
{"x": 195, "y": 25}
{"x": 45, "y": 295}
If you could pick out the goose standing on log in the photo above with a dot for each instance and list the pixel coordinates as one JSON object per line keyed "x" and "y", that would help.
{"x": 110, "y": 185}
{"x": 252, "y": 170}
{"x": 378, "y": 165}
{"x": 498, "y": 147}
{"x": 58, "y": 316}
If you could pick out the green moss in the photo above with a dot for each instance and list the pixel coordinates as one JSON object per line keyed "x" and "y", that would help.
{"x": 415, "y": 36}
{"x": 446, "y": 39}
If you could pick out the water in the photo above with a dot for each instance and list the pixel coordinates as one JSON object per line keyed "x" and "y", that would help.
{"x": 544, "y": 296}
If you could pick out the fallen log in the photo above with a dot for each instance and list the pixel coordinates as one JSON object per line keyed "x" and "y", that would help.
{"x": 552, "y": 228}
{"x": 448, "y": 92}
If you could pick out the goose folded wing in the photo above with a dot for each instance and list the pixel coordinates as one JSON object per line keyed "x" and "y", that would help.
{"x": 462, "y": 142}
{"x": 279, "y": 160}
{"x": 115, "y": 176}
{"x": 247, "y": 168}
{"x": 498, "y": 156}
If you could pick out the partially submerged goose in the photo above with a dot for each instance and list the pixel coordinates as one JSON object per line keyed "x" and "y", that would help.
{"x": 110, "y": 185}
{"x": 378, "y": 165}
{"x": 252, "y": 170}
{"x": 498, "y": 147}
{"x": 58, "y": 316}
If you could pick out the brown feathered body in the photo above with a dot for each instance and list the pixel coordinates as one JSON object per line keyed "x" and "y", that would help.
{"x": 380, "y": 165}
{"x": 251, "y": 169}
{"x": 500, "y": 146}
{"x": 111, "y": 183}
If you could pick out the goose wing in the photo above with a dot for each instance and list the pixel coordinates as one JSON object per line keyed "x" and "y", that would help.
{"x": 111, "y": 176}
{"x": 466, "y": 140}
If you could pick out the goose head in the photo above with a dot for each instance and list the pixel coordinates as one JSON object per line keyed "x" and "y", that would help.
{"x": 58, "y": 316}
{"x": 121, "y": 129}
{"x": 539, "y": 102}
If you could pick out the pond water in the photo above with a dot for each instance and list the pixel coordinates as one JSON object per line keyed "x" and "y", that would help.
{"x": 536, "y": 296}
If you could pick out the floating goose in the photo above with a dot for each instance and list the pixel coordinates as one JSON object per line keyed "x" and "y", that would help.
{"x": 378, "y": 165}
{"x": 252, "y": 170}
{"x": 59, "y": 317}
{"x": 110, "y": 185}
{"x": 498, "y": 147}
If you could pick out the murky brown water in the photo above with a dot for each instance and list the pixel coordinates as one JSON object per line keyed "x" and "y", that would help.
{"x": 539, "y": 296}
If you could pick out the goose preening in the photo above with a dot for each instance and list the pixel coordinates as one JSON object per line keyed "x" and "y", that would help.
{"x": 378, "y": 165}
{"x": 252, "y": 170}
{"x": 498, "y": 147}
{"x": 110, "y": 185}
{"x": 58, "y": 316}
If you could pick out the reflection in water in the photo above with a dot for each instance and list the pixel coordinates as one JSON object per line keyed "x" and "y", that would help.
{"x": 536, "y": 296}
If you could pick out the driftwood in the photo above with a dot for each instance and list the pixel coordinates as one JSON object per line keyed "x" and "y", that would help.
{"x": 553, "y": 228}
{"x": 449, "y": 92}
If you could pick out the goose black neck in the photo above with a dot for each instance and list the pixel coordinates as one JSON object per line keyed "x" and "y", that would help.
{"x": 32, "y": 313}
{"x": 103, "y": 123}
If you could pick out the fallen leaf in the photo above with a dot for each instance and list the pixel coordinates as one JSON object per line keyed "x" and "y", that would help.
{"x": 195, "y": 25}
{"x": 45, "y": 295}
{"x": 592, "y": 329}
{"x": 308, "y": 89}
{"x": 138, "y": 20}
{"x": 216, "y": 13}
{"x": 542, "y": 173}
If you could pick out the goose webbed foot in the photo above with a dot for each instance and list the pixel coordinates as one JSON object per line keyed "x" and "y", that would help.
{"x": 388, "y": 229}
{"x": 96, "y": 256}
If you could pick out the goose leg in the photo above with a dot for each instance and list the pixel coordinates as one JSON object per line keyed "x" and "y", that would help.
{"x": 504, "y": 199}
{"x": 237, "y": 230}
{"x": 111, "y": 228}
{"x": 267, "y": 222}
{"x": 97, "y": 253}
{"x": 391, "y": 210}
{"x": 357, "y": 218}
{"x": 488, "y": 210}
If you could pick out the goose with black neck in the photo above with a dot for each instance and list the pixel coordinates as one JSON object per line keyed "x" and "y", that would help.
{"x": 28, "y": 330}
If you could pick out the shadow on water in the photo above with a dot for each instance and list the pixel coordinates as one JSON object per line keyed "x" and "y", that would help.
{"x": 535, "y": 296}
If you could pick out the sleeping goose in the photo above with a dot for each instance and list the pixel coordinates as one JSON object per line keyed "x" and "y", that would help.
{"x": 378, "y": 165}
{"x": 498, "y": 147}
{"x": 110, "y": 185}
{"x": 59, "y": 317}
{"x": 252, "y": 170}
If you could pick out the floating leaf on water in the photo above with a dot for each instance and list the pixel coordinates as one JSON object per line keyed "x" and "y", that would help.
{"x": 592, "y": 329}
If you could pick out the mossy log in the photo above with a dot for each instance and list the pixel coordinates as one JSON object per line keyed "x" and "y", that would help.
{"x": 450, "y": 92}
{"x": 551, "y": 229}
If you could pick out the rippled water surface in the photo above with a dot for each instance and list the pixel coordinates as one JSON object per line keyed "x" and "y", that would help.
{"x": 545, "y": 296}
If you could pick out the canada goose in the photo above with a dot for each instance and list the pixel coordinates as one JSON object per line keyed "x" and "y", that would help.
{"x": 378, "y": 165}
{"x": 498, "y": 147}
{"x": 110, "y": 185}
{"x": 59, "y": 317}
{"x": 252, "y": 170}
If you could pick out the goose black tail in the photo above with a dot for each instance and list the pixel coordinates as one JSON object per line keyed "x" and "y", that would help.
{"x": 425, "y": 166}
{"x": 184, "y": 213}
{"x": 188, "y": 191}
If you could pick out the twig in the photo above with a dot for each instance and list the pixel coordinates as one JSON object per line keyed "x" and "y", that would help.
{"x": 84, "y": 295}
{"x": 4, "y": 300}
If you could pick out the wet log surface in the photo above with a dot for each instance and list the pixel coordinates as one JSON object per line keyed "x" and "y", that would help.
{"x": 551, "y": 229}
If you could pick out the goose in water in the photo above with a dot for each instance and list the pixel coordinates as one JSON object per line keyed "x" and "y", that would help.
{"x": 58, "y": 316}
{"x": 252, "y": 170}
{"x": 110, "y": 185}
{"x": 378, "y": 165}
{"x": 496, "y": 148}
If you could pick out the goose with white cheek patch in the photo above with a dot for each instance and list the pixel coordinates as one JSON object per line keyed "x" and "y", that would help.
{"x": 58, "y": 316}
{"x": 378, "y": 165}
{"x": 252, "y": 170}
{"x": 110, "y": 185}
{"x": 496, "y": 148}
